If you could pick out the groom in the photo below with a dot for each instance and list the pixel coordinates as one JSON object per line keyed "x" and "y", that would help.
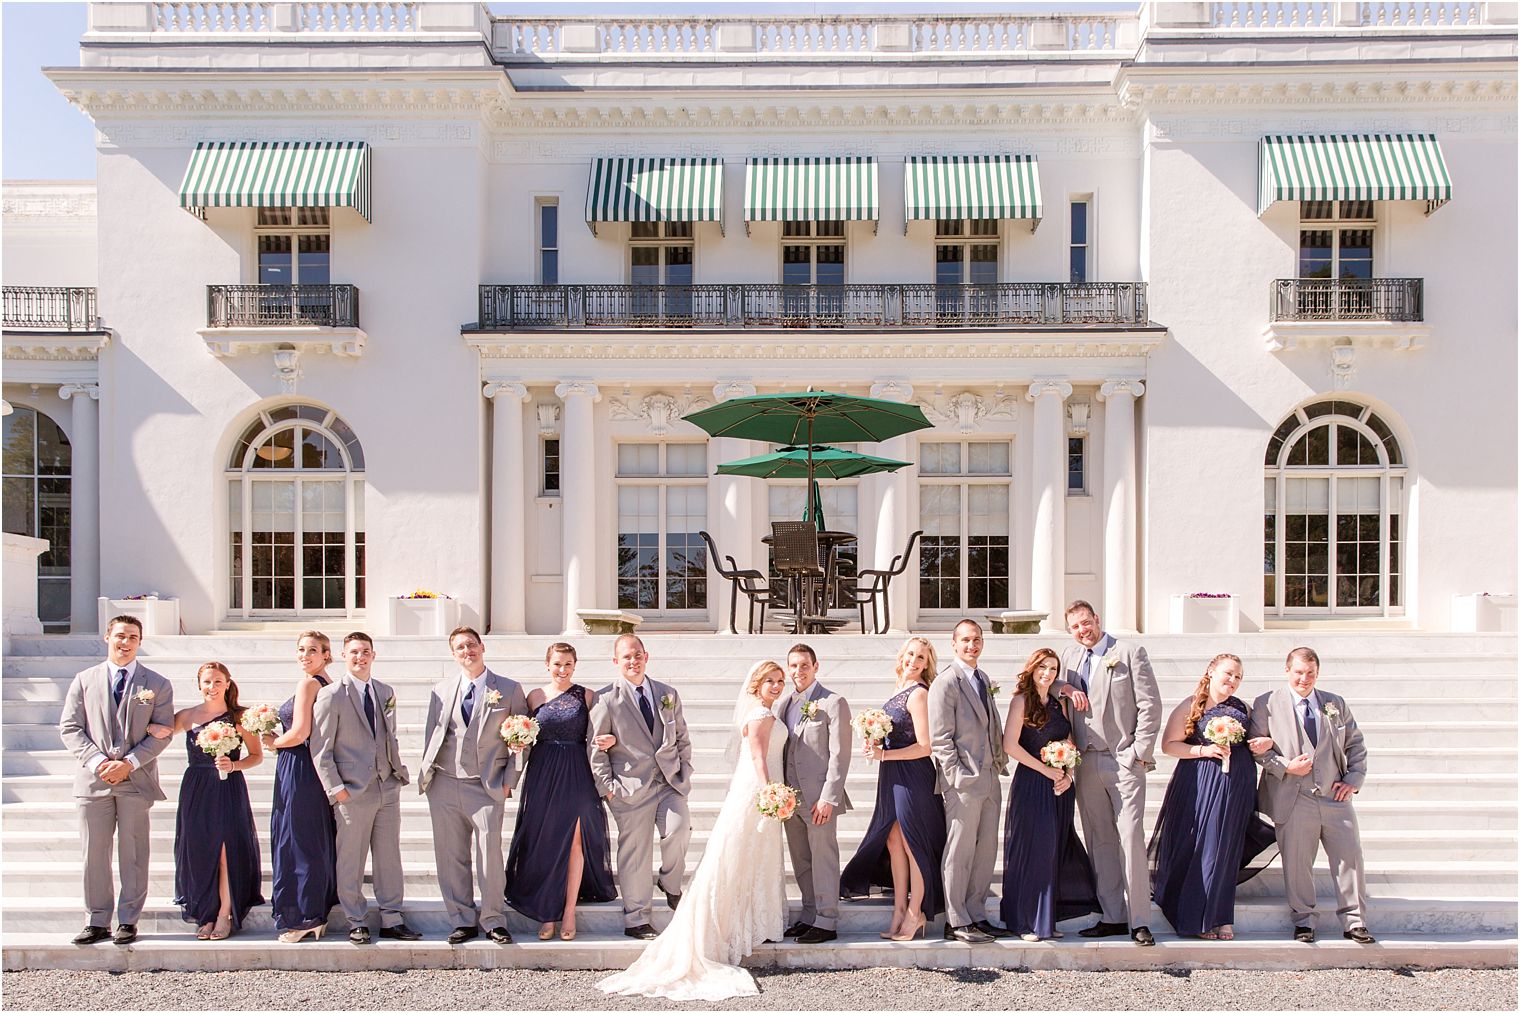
{"x": 816, "y": 762}
{"x": 645, "y": 779}
{"x": 105, "y": 725}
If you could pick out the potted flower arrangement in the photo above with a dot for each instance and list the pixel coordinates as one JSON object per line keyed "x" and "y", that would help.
{"x": 1205, "y": 612}
{"x": 422, "y": 613}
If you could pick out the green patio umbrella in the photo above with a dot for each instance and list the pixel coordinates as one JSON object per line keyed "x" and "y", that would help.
{"x": 810, "y": 462}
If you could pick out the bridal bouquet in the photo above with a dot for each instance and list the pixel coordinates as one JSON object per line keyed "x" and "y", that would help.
{"x": 519, "y": 730}
{"x": 776, "y": 801}
{"x": 873, "y": 724}
{"x": 1224, "y": 731}
{"x": 261, "y": 719}
{"x": 219, "y": 739}
{"x": 1061, "y": 754}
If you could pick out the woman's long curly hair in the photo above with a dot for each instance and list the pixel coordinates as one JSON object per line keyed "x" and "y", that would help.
{"x": 1201, "y": 694}
{"x": 233, "y": 707}
{"x": 1034, "y": 707}
{"x": 930, "y": 666}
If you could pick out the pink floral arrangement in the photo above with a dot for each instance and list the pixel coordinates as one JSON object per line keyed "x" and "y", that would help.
{"x": 261, "y": 719}
{"x": 423, "y": 592}
{"x": 873, "y": 724}
{"x": 1061, "y": 754}
{"x": 776, "y": 801}
{"x": 519, "y": 730}
{"x": 1210, "y": 594}
{"x": 219, "y": 738}
{"x": 1224, "y": 731}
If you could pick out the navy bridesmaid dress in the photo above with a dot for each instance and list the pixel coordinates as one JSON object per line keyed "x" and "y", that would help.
{"x": 558, "y": 791}
{"x": 1047, "y": 876}
{"x": 1208, "y": 834}
{"x": 302, "y": 833}
{"x": 905, "y": 796}
{"x": 213, "y": 814}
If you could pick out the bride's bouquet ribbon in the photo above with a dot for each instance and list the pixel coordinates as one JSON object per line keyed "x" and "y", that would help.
{"x": 1224, "y": 731}
{"x": 219, "y": 738}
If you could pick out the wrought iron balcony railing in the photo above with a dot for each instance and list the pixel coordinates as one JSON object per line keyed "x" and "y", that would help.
{"x": 282, "y": 306}
{"x": 824, "y": 306}
{"x": 37, "y": 308}
{"x": 1398, "y": 300}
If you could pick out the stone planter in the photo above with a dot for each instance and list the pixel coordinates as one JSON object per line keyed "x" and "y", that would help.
{"x": 422, "y": 617}
{"x": 1483, "y": 613}
{"x": 1017, "y": 622}
{"x": 1191, "y": 614}
{"x": 159, "y": 616}
{"x": 608, "y": 622}
{"x": 20, "y": 613}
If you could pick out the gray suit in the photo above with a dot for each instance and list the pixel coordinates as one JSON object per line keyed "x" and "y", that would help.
{"x": 816, "y": 762}
{"x": 93, "y": 727}
{"x": 348, "y": 755}
{"x": 1117, "y": 738}
{"x": 649, "y": 776}
{"x": 466, "y": 773}
{"x": 966, "y": 743}
{"x": 1303, "y": 808}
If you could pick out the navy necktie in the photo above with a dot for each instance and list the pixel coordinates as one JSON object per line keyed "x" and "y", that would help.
{"x": 1310, "y": 725}
{"x": 120, "y": 685}
{"x": 646, "y": 710}
{"x": 369, "y": 710}
{"x": 1084, "y": 670}
{"x": 467, "y": 705}
{"x": 981, "y": 684}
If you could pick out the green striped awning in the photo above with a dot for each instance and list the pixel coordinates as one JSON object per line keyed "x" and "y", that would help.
{"x": 1353, "y": 167}
{"x": 811, "y": 189}
{"x": 972, "y": 186}
{"x": 266, "y": 174}
{"x": 655, "y": 190}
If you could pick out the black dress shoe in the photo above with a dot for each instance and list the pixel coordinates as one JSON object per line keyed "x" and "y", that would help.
{"x": 967, "y": 934}
{"x": 1359, "y": 934}
{"x": 992, "y": 930}
{"x": 817, "y": 935}
{"x": 463, "y": 934}
{"x": 797, "y": 929}
{"x": 641, "y": 932}
{"x": 1303, "y": 934}
{"x": 1102, "y": 929}
{"x": 672, "y": 899}
{"x": 124, "y": 934}
{"x": 500, "y": 936}
{"x": 1142, "y": 936}
{"x": 359, "y": 936}
{"x": 401, "y": 932}
{"x": 91, "y": 934}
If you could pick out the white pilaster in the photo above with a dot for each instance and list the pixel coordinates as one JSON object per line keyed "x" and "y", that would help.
{"x": 892, "y": 509}
{"x": 509, "y": 482}
{"x": 733, "y": 526}
{"x": 84, "y": 506}
{"x": 1120, "y": 561}
{"x": 578, "y": 494}
{"x": 1047, "y": 568}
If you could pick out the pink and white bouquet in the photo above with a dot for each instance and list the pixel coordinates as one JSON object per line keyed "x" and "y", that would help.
{"x": 262, "y": 719}
{"x": 873, "y": 724}
{"x": 1061, "y": 754}
{"x": 519, "y": 730}
{"x": 219, "y": 738}
{"x": 776, "y": 801}
{"x": 1224, "y": 731}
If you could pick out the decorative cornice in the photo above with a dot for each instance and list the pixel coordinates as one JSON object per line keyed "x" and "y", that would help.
{"x": 1039, "y": 388}
{"x": 730, "y": 389}
{"x": 892, "y": 390}
{"x": 1134, "y": 388}
{"x": 661, "y": 411}
{"x": 1459, "y": 85}
{"x": 225, "y": 342}
{"x": 76, "y": 347}
{"x": 965, "y": 411}
{"x": 1287, "y": 335}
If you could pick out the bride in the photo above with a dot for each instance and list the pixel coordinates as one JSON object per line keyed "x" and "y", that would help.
{"x": 737, "y": 897}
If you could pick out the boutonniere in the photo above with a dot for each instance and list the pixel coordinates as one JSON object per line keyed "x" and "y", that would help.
{"x": 390, "y": 705}
{"x": 144, "y": 696}
{"x": 809, "y": 710}
{"x": 1110, "y": 661}
{"x": 1332, "y": 712}
{"x": 493, "y": 697}
{"x": 667, "y": 702}
{"x": 993, "y": 689}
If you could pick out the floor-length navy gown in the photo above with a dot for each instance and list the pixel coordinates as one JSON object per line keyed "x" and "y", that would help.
{"x": 213, "y": 814}
{"x": 301, "y": 837}
{"x": 557, "y": 791}
{"x": 905, "y": 796}
{"x": 1047, "y": 876}
{"x": 1207, "y": 833}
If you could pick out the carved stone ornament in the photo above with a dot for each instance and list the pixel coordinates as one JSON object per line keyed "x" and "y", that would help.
{"x": 661, "y": 411}
{"x": 965, "y": 411}
{"x": 1342, "y": 366}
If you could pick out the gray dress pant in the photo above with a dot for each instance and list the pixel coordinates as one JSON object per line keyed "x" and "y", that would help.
{"x": 1112, "y": 804}
{"x": 122, "y": 816}
{"x": 971, "y": 847}
{"x": 467, "y": 827}
{"x": 369, "y": 827}
{"x": 662, "y": 808}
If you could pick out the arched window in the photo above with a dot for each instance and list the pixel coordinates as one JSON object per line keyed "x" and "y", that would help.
{"x": 296, "y": 515}
{"x": 1334, "y": 512}
{"x": 38, "y": 464}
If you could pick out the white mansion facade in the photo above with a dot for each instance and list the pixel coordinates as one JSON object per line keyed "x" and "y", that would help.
{"x": 1213, "y": 298}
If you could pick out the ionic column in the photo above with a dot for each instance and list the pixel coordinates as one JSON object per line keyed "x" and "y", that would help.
{"x": 509, "y": 479}
{"x": 577, "y": 456}
{"x": 84, "y": 505}
{"x": 892, "y": 509}
{"x": 733, "y": 527}
{"x": 1120, "y": 561}
{"x": 1047, "y": 558}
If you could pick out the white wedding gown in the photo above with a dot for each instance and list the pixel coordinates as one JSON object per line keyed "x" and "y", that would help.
{"x": 736, "y": 898}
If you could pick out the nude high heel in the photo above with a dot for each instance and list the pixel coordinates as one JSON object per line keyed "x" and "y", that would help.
{"x": 893, "y": 929}
{"x": 223, "y": 927}
{"x": 912, "y": 927}
{"x": 546, "y": 930}
{"x": 567, "y": 934}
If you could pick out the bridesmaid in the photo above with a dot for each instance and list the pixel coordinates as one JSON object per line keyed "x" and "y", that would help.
{"x": 559, "y": 845}
{"x": 1207, "y": 827}
{"x": 301, "y": 826}
{"x": 1046, "y": 873}
{"x": 905, "y": 842}
{"x": 216, "y": 850}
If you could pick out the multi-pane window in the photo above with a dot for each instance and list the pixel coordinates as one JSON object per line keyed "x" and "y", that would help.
{"x": 963, "y": 500}
{"x": 965, "y": 254}
{"x": 661, "y": 254}
{"x": 551, "y": 466}
{"x": 1076, "y": 464}
{"x": 295, "y": 519}
{"x": 37, "y": 467}
{"x": 812, "y": 253}
{"x": 1081, "y": 240}
{"x": 662, "y": 505}
{"x": 1333, "y": 511}
{"x": 548, "y": 242}
{"x": 295, "y": 246}
{"x": 1335, "y": 239}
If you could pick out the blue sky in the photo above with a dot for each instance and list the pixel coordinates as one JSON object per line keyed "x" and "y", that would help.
{"x": 46, "y": 138}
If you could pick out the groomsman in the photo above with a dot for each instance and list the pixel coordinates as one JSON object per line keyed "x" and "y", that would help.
{"x": 353, "y": 744}
{"x": 467, "y": 774}
{"x": 1116, "y": 718}
{"x": 645, "y": 779}
{"x": 1318, "y": 760}
{"x": 966, "y": 742}
{"x": 105, "y": 721}
{"x": 816, "y": 761}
